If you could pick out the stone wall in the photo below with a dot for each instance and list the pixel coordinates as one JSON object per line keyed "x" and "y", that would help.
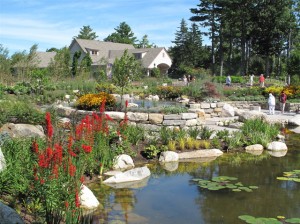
{"x": 196, "y": 115}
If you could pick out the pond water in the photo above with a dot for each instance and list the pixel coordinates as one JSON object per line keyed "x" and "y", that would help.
{"x": 172, "y": 197}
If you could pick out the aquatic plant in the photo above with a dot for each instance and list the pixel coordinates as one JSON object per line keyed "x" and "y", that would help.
{"x": 291, "y": 175}
{"x": 223, "y": 182}
{"x": 280, "y": 219}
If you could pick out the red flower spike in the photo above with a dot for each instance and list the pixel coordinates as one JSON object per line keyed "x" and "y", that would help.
{"x": 102, "y": 107}
{"x": 77, "y": 201}
{"x": 49, "y": 125}
{"x": 35, "y": 147}
{"x": 86, "y": 148}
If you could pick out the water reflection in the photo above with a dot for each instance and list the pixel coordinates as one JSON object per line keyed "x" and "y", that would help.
{"x": 170, "y": 195}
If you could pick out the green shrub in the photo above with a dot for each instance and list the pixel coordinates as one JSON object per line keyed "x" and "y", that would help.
{"x": 20, "y": 112}
{"x": 259, "y": 131}
{"x": 174, "y": 109}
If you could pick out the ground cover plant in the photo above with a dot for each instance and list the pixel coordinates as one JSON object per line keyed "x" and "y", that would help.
{"x": 223, "y": 182}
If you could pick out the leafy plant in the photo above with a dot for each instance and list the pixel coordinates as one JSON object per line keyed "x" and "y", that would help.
{"x": 194, "y": 132}
{"x": 223, "y": 182}
{"x": 172, "y": 145}
{"x": 151, "y": 151}
{"x": 181, "y": 143}
{"x": 134, "y": 134}
{"x": 291, "y": 175}
{"x": 253, "y": 220}
{"x": 205, "y": 132}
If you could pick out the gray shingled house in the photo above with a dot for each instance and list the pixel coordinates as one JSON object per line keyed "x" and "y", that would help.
{"x": 41, "y": 60}
{"x": 104, "y": 54}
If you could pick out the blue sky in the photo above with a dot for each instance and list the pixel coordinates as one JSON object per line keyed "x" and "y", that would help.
{"x": 53, "y": 23}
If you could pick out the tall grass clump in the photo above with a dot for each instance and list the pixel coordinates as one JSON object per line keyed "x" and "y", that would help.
{"x": 258, "y": 131}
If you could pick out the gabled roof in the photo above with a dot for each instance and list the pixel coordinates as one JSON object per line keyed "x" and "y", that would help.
{"x": 151, "y": 54}
{"x": 41, "y": 60}
{"x": 44, "y": 58}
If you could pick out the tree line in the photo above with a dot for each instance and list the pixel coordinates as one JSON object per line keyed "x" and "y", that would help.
{"x": 247, "y": 37}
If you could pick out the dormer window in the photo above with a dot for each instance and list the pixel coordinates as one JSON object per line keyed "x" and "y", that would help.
{"x": 137, "y": 56}
{"x": 94, "y": 52}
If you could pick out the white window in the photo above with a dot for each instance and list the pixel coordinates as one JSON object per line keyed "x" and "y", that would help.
{"x": 94, "y": 52}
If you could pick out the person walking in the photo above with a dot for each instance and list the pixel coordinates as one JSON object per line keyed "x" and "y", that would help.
{"x": 282, "y": 100}
{"x": 272, "y": 103}
{"x": 262, "y": 80}
{"x": 251, "y": 79}
{"x": 228, "y": 80}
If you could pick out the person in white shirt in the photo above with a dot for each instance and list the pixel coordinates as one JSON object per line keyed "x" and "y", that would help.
{"x": 251, "y": 79}
{"x": 272, "y": 103}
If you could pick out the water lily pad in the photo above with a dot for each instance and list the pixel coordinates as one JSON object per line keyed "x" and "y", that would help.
{"x": 223, "y": 182}
{"x": 260, "y": 220}
{"x": 290, "y": 176}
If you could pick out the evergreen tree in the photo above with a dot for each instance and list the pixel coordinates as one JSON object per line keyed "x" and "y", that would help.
{"x": 86, "y": 32}
{"x": 123, "y": 35}
{"x": 208, "y": 14}
{"x": 144, "y": 43}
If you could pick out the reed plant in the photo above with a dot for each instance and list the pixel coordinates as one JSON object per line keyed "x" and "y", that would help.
{"x": 172, "y": 145}
{"x": 181, "y": 144}
{"x": 258, "y": 131}
{"x": 190, "y": 143}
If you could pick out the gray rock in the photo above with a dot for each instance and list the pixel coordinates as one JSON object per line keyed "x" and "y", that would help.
{"x": 155, "y": 118}
{"x": 123, "y": 162}
{"x": 23, "y": 130}
{"x": 137, "y": 116}
{"x": 168, "y": 156}
{"x": 87, "y": 198}
{"x": 295, "y": 120}
{"x": 9, "y": 215}
{"x": 227, "y": 111}
{"x": 246, "y": 115}
{"x": 116, "y": 115}
{"x": 277, "y": 146}
{"x": 135, "y": 174}
{"x": 200, "y": 153}
{"x": 256, "y": 147}
{"x": 187, "y": 116}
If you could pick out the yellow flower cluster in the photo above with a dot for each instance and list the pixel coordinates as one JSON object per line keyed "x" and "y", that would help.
{"x": 291, "y": 91}
{"x": 93, "y": 101}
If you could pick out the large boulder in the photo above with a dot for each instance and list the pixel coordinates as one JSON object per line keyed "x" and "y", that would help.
{"x": 22, "y": 130}
{"x": 295, "y": 120}
{"x": 87, "y": 198}
{"x": 168, "y": 156}
{"x": 200, "y": 153}
{"x": 246, "y": 115}
{"x": 256, "y": 149}
{"x": 277, "y": 146}
{"x": 123, "y": 162}
{"x": 227, "y": 111}
{"x": 135, "y": 174}
{"x": 9, "y": 216}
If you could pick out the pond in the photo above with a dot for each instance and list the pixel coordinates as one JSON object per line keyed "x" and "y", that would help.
{"x": 173, "y": 197}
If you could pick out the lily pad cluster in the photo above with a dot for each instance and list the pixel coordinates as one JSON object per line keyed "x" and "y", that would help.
{"x": 291, "y": 175}
{"x": 261, "y": 220}
{"x": 224, "y": 182}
